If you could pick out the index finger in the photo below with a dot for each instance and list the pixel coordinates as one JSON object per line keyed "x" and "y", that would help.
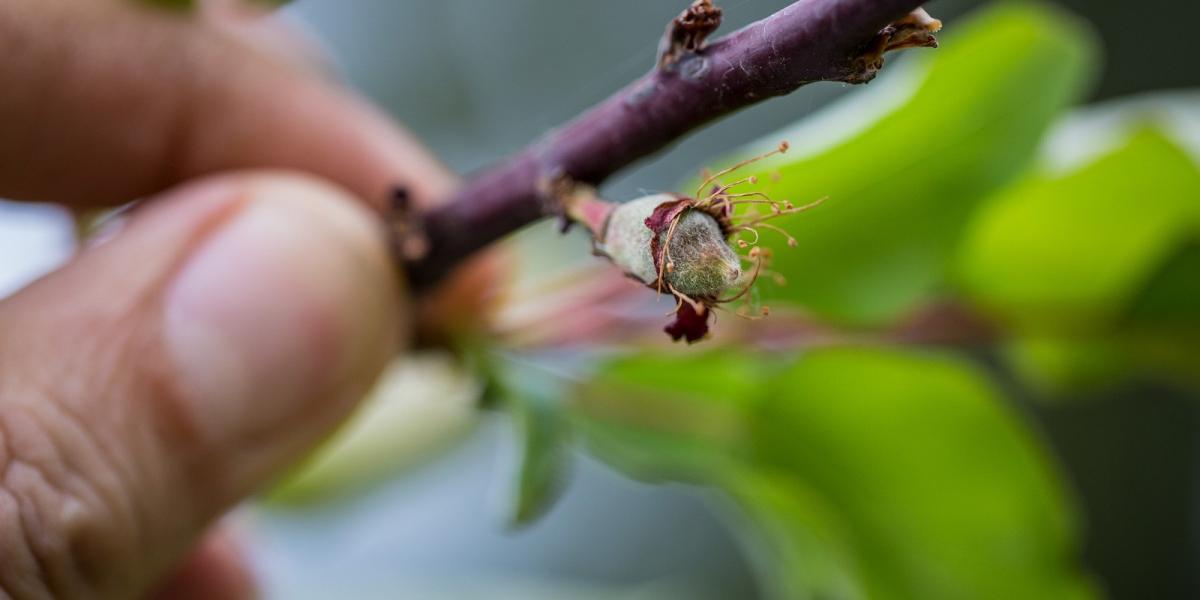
{"x": 108, "y": 102}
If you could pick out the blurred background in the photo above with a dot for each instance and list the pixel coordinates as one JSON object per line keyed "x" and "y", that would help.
{"x": 478, "y": 80}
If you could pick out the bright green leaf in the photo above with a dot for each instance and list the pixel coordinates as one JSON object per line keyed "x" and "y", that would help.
{"x": 941, "y": 490}
{"x": 801, "y": 541}
{"x": 865, "y": 472}
{"x": 1088, "y": 133}
{"x": 1158, "y": 337}
{"x": 1070, "y": 253}
{"x": 957, "y": 123}
{"x": 1095, "y": 261}
{"x": 684, "y": 411}
{"x": 1058, "y": 367}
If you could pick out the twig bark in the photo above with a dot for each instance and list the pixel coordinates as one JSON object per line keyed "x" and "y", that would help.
{"x": 691, "y": 85}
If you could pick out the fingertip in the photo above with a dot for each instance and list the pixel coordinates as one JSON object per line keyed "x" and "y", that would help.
{"x": 252, "y": 111}
{"x": 278, "y": 322}
{"x": 215, "y": 568}
{"x": 199, "y": 352}
{"x": 131, "y": 102}
{"x": 315, "y": 128}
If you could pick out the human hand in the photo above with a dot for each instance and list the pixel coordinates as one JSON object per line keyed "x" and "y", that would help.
{"x": 178, "y": 365}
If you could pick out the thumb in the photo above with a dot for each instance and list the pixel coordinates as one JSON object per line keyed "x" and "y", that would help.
{"x": 173, "y": 369}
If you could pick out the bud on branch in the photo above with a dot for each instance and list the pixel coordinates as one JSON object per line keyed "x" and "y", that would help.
{"x": 692, "y": 84}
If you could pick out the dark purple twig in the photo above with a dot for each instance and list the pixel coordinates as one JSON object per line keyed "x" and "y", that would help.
{"x": 811, "y": 40}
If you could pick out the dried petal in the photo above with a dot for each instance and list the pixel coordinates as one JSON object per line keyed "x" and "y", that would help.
{"x": 689, "y": 324}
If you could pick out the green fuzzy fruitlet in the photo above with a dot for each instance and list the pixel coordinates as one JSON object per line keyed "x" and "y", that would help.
{"x": 703, "y": 264}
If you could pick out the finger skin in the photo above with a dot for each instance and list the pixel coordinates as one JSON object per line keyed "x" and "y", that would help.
{"x": 215, "y": 569}
{"x": 106, "y": 102}
{"x": 176, "y": 368}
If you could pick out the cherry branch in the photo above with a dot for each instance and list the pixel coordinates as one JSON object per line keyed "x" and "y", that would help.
{"x": 692, "y": 84}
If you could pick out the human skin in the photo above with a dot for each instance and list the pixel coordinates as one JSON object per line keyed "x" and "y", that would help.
{"x": 191, "y": 354}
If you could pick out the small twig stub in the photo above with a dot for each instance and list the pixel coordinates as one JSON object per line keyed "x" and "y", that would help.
{"x": 687, "y": 32}
{"x": 915, "y": 30}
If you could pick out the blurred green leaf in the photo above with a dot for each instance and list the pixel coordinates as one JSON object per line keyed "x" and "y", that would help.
{"x": 1158, "y": 337}
{"x": 1088, "y": 133}
{"x": 1096, "y": 270}
{"x": 1164, "y": 321}
{"x": 866, "y": 472}
{"x": 683, "y": 410}
{"x": 1170, "y": 300}
{"x": 1058, "y": 367}
{"x": 543, "y": 434}
{"x": 800, "y": 543}
{"x": 1071, "y": 253}
{"x": 943, "y": 491}
{"x": 956, "y": 124}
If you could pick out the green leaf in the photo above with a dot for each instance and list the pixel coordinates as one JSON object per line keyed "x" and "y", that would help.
{"x": 1170, "y": 299}
{"x": 865, "y": 472}
{"x": 956, "y": 124}
{"x": 1094, "y": 262}
{"x": 802, "y": 543}
{"x": 1163, "y": 323}
{"x": 685, "y": 411}
{"x": 943, "y": 491}
{"x": 543, "y": 434}
{"x": 1071, "y": 253}
{"x": 1158, "y": 337}
{"x": 1060, "y": 367}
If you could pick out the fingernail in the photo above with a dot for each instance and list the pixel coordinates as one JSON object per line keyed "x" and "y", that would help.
{"x": 280, "y": 316}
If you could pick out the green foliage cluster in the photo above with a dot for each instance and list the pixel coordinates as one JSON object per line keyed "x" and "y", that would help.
{"x": 950, "y": 128}
{"x": 869, "y": 472}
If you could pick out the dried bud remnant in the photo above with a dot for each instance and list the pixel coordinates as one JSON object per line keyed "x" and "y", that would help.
{"x": 915, "y": 30}
{"x": 687, "y": 32}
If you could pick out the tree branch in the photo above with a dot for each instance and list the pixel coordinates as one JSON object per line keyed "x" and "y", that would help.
{"x": 693, "y": 84}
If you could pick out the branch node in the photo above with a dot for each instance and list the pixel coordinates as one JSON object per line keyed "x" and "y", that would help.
{"x": 915, "y": 30}
{"x": 408, "y": 238}
{"x": 579, "y": 203}
{"x": 686, "y": 33}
